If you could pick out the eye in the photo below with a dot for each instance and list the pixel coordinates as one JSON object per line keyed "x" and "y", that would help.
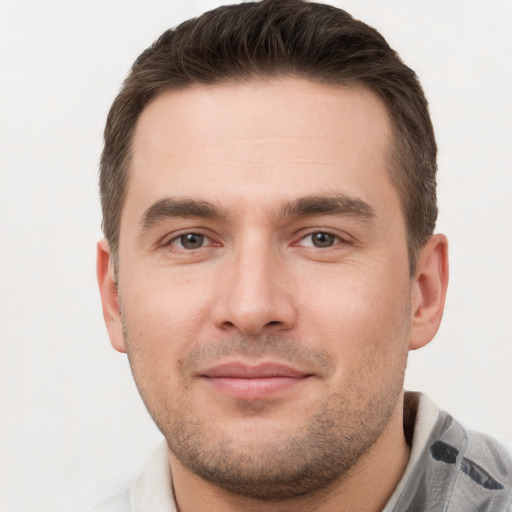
{"x": 320, "y": 239}
{"x": 190, "y": 241}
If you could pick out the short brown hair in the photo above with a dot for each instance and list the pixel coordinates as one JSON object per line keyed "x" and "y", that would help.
{"x": 280, "y": 38}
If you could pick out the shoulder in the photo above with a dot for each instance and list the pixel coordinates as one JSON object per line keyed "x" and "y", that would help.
{"x": 150, "y": 490}
{"x": 117, "y": 503}
{"x": 110, "y": 499}
{"x": 477, "y": 467}
{"x": 452, "y": 468}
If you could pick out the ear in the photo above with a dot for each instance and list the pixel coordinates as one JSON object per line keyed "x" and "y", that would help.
{"x": 429, "y": 291}
{"x": 109, "y": 296}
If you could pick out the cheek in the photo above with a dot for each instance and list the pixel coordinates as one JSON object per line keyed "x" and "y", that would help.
{"x": 166, "y": 314}
{"x": 358, "y": 314}
{"x": 170, "y": 302}
{"x": 161, "y": 323}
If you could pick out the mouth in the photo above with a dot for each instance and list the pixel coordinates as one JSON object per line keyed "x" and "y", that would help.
{"x": 253, "y": 382}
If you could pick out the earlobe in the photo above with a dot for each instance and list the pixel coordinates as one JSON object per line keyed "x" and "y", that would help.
{"x": 429, "y": 291}
{"x": 109, "y": 296}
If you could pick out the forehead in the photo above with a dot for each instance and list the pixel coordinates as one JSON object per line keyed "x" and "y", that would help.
{"x": 281, "y": 107}
{"x": 242, "y": 139}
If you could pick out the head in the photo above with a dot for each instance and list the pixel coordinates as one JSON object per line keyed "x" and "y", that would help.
{"x": 281, "y": 38}
{"x": 269, "y": 199}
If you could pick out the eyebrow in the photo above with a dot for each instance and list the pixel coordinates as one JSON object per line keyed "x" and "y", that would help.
{"x": 169, "y": 208}
{"x": 335, "y": 205}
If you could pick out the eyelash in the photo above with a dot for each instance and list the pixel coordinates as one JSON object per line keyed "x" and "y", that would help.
{"x": 336, "y": 239}
{"x": 173, "y": 241}
{"x": 204, "y": 238}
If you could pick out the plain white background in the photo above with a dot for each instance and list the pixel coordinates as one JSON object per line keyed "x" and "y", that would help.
{"x": 71, "y": 418}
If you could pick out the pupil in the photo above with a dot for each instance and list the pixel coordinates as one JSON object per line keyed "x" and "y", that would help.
{"x": 192, "y": 241}
{"x": 323, "y": 239}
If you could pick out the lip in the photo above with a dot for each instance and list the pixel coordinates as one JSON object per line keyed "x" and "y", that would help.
{"x": 253, "y": 382}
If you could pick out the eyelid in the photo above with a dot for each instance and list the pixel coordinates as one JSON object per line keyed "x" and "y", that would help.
{"x": 169, "y": 240}
{"x": 342, "y": 238}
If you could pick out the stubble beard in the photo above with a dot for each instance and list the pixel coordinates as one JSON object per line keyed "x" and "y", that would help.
{"x": 342, "y": 430}
{"x": 284, "y": 468}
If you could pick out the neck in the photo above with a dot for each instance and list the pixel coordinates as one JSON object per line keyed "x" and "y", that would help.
{"x": 366, "y": 487}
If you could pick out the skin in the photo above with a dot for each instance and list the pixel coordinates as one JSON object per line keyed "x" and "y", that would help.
{"x": 264, "y": 277}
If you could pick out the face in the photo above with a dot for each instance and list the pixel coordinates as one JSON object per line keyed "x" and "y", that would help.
{"x": 263, "y": 281}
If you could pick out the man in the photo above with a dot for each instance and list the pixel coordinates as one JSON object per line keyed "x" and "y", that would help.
{"x": 269, "y": 204}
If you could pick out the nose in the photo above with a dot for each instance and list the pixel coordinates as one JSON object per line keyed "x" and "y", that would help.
{"x": 255, "y": 296}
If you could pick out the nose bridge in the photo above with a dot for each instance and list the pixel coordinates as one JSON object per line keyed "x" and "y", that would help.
{"x": 256, "y": 297}
{"x": 254, "y": 264}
